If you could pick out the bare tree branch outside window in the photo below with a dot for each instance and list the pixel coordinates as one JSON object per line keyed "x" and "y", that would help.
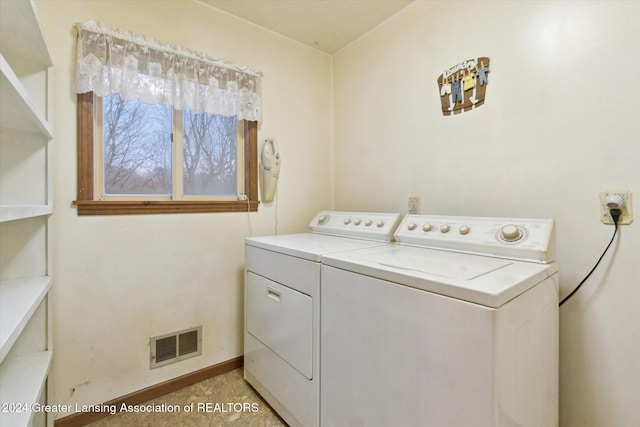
{"x": 137, "y": 150}
{"x": 210, "y": 155}
{"x": 137, "y": 147}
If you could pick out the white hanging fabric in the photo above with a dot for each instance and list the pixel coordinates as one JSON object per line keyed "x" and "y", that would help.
{"x": 138, "y": 67}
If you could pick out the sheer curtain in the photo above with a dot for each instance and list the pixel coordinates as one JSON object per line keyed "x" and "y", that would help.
{"x": 138, "y": 67}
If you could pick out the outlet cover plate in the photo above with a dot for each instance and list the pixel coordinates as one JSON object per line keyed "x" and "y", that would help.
{"x": 627, "y": 208}
{"x": 414, "y": 205}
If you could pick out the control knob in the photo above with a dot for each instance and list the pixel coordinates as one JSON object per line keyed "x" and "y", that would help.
{"x": 444, "y": 228}
{"x": 427, "y": 227}
{"x": 380, "y": 223}
{"x": 412, "y": 226}
{"x": 368, "y": 223}
{"x": 464, "y": 229}
{"x": 347, "y": 221}
{"x": 510, "y": 233}
{"x": 323, "y": 219}
{"x": 357, "y": 222}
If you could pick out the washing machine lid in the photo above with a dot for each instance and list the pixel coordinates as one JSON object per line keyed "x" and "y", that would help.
{"x": 484, "y": 280}
{"x": 309, "y": 246}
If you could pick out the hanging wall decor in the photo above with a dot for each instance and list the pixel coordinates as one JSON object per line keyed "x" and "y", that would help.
{"x": 463, "y": 86}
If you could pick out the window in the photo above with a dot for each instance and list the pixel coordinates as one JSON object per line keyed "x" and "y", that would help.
{"x": 138, "y": 158}
{"x": 134, "y": 153}
{"x": 152, "y": 151}
{"x": 161, "y": 128}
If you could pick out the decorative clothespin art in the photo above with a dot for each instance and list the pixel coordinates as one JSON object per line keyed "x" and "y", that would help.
{"x": 463, "y": 86}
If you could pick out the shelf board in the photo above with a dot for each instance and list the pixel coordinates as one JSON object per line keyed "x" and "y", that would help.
{"x": 19, "y": 299}
{"x": 21, "y": 39}
{"x": 17, "y": 110}
{"x": 15, "y": 212}
{"x": 21, "y": 381}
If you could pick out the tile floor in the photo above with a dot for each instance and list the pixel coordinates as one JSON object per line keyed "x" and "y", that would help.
{"x": 226, "y": 395}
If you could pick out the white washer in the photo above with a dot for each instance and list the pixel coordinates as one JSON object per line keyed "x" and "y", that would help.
{"x": 454, "y": 325}
{"x": 282, "y": 303}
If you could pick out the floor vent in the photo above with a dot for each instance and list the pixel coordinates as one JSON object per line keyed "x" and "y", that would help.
{"x": 176, "y": 346}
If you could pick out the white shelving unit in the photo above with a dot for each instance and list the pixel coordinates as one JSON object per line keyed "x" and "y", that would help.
{"x": 26, "y": 203}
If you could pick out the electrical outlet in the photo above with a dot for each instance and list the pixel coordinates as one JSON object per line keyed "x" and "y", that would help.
{"x": 627, "y": 212}
{"x": 414, "y": 205}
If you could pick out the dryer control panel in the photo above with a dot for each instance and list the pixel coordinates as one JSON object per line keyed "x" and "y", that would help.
{"x": 513, "y": 238}
{"x": 362, "y": 225}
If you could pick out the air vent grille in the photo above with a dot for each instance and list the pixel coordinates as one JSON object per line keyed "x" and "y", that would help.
{"x": 188, "y": 343}
{"x": 166, "y": 348}
{"x": 175, "y": 346}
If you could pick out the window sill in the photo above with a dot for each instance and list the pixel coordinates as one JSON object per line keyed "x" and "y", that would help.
{"x": 109, "y": 207}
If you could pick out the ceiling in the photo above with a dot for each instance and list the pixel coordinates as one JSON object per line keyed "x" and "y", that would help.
{"x": 327, "y": 25}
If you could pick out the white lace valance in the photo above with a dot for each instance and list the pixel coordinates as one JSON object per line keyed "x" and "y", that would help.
{"x": 139, "y": 67}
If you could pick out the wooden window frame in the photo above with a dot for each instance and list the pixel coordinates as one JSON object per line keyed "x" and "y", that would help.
{"x": 87, "y": 205}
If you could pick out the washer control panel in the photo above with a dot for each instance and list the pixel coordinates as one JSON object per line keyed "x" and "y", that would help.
{"x": 514, "y": 238}
{"x": 363, "y": 225}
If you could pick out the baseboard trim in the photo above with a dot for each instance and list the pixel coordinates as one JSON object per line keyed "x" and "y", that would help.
{"x": 83, "y": 418}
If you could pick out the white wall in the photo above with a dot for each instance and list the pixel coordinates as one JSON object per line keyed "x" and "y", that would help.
{"x": 122, "y": 279}
{"x": 559, "y": 125}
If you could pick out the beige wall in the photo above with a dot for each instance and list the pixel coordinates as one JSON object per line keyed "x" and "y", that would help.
{"x": 122, "y": 279}
{"x": 559, "y": 125}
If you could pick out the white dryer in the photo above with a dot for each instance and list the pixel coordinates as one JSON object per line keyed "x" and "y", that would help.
{"x": 454, "y": 325}
{"x": 282, "y": 303}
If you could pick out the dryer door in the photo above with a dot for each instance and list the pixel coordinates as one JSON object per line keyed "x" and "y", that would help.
{"x": 281, "y": 318}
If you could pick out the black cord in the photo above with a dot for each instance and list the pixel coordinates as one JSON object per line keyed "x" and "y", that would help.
{"x": 615, "y": 215}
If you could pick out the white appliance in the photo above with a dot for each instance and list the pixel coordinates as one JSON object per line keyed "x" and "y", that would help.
{"x": 282, "y": 303}
{"x": 454, "y": 325}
